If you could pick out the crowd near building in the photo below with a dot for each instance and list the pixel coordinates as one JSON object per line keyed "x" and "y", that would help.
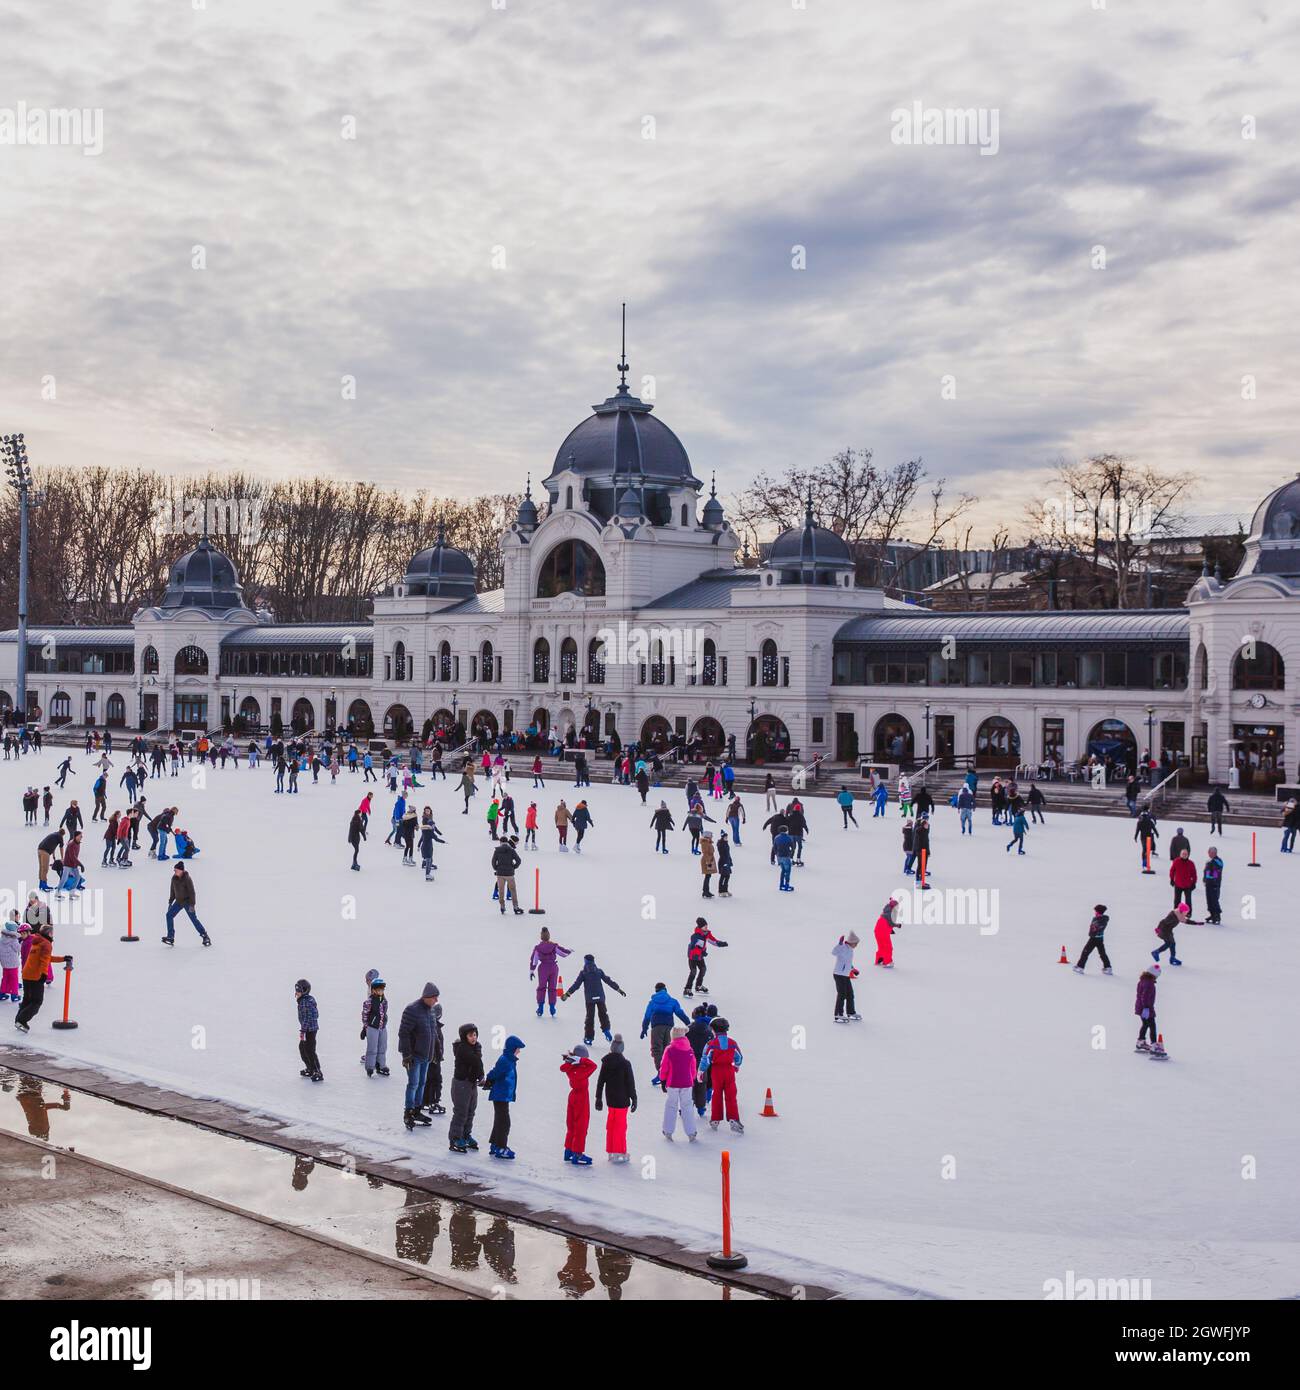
{"x": 624, "y": 617}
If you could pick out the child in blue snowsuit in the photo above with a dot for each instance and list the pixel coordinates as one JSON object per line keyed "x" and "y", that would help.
{"x": 501, "y": 1084}
{"x": 881, "y": 797}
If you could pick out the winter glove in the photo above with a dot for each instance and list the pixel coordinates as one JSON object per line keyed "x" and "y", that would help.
{"x": 530, "y": 977}
{"x": 1146, "y": 1013}
{"x": 632, "y": 1107}
{"x": 600, "y": 1105}
{"x": 363, "y": 1032}
{"x": 643, "y": 1033}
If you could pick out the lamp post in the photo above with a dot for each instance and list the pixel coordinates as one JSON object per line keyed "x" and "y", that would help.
{"x": 927, "y": 731}
{"x": 20, "y": 479}
{"x": 749, "y": 737}
{"x": 1151, "y": 741}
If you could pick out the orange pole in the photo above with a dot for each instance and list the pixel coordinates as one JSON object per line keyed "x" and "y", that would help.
{"x": 726, "y": 1203}
{"x": 130, "y": 935}
{"x": 924, "y": 856}
{"x": 65, "y": 1021}
{"x": 537, "y": 910}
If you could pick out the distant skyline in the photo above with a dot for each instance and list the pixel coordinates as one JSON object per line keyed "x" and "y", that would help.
{"x": 448, "y": 202}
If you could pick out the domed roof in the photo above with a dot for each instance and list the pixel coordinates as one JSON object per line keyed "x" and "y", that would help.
{"x": 810, "y": 548}
{"x": 440, "y": 571}
{"x": 526, "y": 517}
{"x": 203, "y": 578}
{"x": 1273, "y": 546}
{"x": 713, "y": 516}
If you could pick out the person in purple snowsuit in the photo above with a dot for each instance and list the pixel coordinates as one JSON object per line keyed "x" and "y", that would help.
{"x": 1144, "y": 1006}
{"x": 545, "y": 964}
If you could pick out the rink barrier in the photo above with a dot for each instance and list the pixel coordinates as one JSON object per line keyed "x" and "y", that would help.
{"x": 727, "y": 1258}
{"x": 1147, "y": 869}
{"x": 130, "y": 936}
{"x": 65, "y": 1021}
{"x": 537, "y": 910}
{"x": 1254, "y": 858}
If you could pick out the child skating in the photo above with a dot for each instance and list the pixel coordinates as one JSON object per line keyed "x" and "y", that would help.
{"x": 308, "y": 1026}
{"x": 578, "y": 1068}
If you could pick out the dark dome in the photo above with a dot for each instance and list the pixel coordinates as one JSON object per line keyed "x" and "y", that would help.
{"x": 1273, "y": 546}
{"x": 441, "y": 571}
{"x": 203, "y": 578}
{"x": 810, "y": 548}
{"x": 622, "y": 438}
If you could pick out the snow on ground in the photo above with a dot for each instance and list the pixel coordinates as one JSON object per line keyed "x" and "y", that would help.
{"x": 985, "y": 1129}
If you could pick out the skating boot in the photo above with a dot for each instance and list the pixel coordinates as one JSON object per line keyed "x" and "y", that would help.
{"x": 688, "y": 994}
{"x": 1142, "y": 1046}
{"x": 609, "y": 1037}
{"x": 519, "y": 912}
{"x": 1078, "y": 970}
{"x": 420, "y": 1117}
{"x": 370, "y": 1071}
{"x": 1107, "y": 970}
{"x": 840, "y": 1018}
{"x": 713, "y": 1124}
{"x": 470, "y": 1143}
{"x": 568, "y": 1155}
{"x": 207, "y": 940}
{"x": 581, "y": 1160}
{"x": 169, "y": 941}
{"x": 317, "y": 1076}
{"x": 22, "y": 1027}
{"x": 1158, "y": 1053}
{"x": 855, "y": 1018}
{"x": 457, "y": 1146}
{"x": 539, "y": 1010}
{"x": 552, "y": 1010}
{"x": 407, "y": 1119}
{"x": 436, "y": 1109}
{"x": 737, "y": 1127}
{"x": 383, "y": 1071}
{"x": 668, "y": 1136}
{"x": 305, "y": 1072}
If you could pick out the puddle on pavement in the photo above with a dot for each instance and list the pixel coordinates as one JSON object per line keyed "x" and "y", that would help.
{"x": 497, "y": 1254}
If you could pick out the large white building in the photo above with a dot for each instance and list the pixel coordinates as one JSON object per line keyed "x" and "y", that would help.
{"x": 623, "y": 610}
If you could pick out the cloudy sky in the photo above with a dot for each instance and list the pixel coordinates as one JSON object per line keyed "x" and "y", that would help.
{"x": 463, "y": 257}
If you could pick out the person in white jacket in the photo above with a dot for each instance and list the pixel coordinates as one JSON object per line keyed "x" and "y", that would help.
{"x": 844, "y": 974}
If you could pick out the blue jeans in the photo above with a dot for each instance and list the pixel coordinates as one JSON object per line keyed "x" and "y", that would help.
{"x": 189, "y": 912}
{"x": 966, "y": 827}
{"x": 1288, "y": 841}
{"x": 162, "y": 843}
{"x": 735, "y": 831}
{"x": 785, "y": 871}
{"x": 416, "y": 1075}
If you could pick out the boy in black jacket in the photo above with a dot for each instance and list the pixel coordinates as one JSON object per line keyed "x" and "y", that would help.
{"x": 1096, "y": 940}
{"x": 467, "y": 1074}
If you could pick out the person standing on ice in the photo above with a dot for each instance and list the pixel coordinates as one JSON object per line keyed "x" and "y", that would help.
{"x": 502, "y": 1086}
{"x": 1165, "y": 931}
{"x": 578, "y": 1069}
{"x": 904, "y": 795}
{"x": 592, "y": 980}
{"x": 530, "y": 826}
{"x": 884, "y": 933}
{"x": 356, "y": 833}
{"x": 1212, "y": 879}
{"x": 466, "y": 1078}
{"x": 660, "y": 1011}
{"x": 374, "y": 1026}
{"x": 616, "y": 1085}
{"x": 708, "y": 862}
{"x": 844, "y": 973}
{"x": 845, "y": 802}
{"x": 1183, "y": 876}
{"x": 1096, "y": 940}
{"x": 724, "y": 867}
{"x": 429, "y": 837}
{"x": 308, "y": 1026}
{"x": 538, "y": 779}
{"x": 562, "y": 818}
{"x": 1144, "y": 1006}
{"x": 677, "y": 1073}
{"x": 544, "y": 963}
{"x": 65, "y": 767}
{"x": 697, "y": 950}
{"x": 466, "y": 786}
{"x": 1019, "y": 825}
{"x": 1179, "y": 843}
{"x": 769, "y": 792}
{"x": 721, "y": 1062}
{"x": 783, "y": 849}
{"x": 661, "y": 823}
{"x": 735, "y": 817}
{"x": 1146, "y": 830}
{"x": 415, "y": 1042}
{"x": 505, "y": 860}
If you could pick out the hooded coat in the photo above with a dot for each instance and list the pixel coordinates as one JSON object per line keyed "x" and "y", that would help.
{"x": 502, "y": 1081}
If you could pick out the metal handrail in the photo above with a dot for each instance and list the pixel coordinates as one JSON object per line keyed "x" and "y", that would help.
{"x": 1159, "y": 788}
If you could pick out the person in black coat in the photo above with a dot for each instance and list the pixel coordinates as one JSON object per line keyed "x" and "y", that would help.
{"x": 661, "y": 823}
{"x": 1216, "y": 803}
{"x": 616, "y": 1084}
{"x": 356, "y": 833}
{"x": 466, "y": 1076}
{"x": 592, "y": 980}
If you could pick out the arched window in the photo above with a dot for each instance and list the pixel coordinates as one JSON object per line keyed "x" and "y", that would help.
{"x": 1258, "y": 667}
{"x": 709, "y": 663}
{"x": 149, "y": 661}
{"x": 768, "y": 665}
{"x": 541, "y": 660}
{"x": 657, "y": 668}
{"x": 997, "y": 743}
{"x": 304, "y": 717}
{"x": 684, "y": 514}
{"x": 360, "y": 721}
{"x": 568, "y": 497}
{"x": 397, "y": 722}
{"x": 485, "y": 662}
{"x": 596, "y": 662}
{"x": 568, "y": 661}
{"x": 893, "y": 739}
{"x": 191, "y": 661}
{"x": 61, "y": 708}
{"x": 250, "y": 712}
{"x": 573, "y": 567}
{"x": 399, "y": 661}
{"x": 115, "y": 712}
{"x": 444, "y": 662}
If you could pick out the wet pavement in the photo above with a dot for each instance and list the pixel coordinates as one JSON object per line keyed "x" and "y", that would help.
{"x": 484, "y": 1252}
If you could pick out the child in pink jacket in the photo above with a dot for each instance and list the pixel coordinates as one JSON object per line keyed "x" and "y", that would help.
{"x": 677, "y": 1076}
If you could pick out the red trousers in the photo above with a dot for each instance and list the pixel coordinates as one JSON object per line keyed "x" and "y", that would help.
{"x": 577, "y": 1117}
{"x": 616, "y": 1130}
{"x": 884, "y": 946}
{"x": 723, "y": 1081}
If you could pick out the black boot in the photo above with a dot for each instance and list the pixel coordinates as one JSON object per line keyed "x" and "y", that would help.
{"x": 407, "y": 1119}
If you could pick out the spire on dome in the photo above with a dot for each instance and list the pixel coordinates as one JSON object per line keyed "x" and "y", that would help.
{"x": 622, "y": 359}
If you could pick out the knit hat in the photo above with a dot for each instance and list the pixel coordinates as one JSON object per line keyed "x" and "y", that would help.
{"x": 679, "y": 1032}
{"x": 10, "y": 928}
{"x": 372, "y": 976}
{"x": 617, "y": 1044}
{"x": 430, "y": 990}
{"x": 302, "y": 987}
{"x": 1183, "y": 908}
{"x": 579, "y": 1050}
{"x": 852, "y": 939}
{"x": 1099, "y": 908}
{"x": 591, "y": 960}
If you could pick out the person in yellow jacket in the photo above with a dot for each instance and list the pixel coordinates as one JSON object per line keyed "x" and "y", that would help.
{"x": 708, "y": 861}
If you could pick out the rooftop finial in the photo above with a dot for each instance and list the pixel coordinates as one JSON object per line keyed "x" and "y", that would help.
{"x": 442, "y": 529}
{"x": 713, "y": 484}
{"x": 528, "y": 486}
{"x": 808, "y": 516}
{"x": 622, "y": 360}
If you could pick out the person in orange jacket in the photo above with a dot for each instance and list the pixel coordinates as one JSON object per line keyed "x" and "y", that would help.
{"x": 39, "y": 959}
{"x": 530, "y": 826}
{"x": 579, "y": 1068}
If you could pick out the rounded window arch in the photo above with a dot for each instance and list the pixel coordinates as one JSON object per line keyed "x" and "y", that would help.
{"x": 568, "y": 661}
{"x": 997, "y": 743}
{"x": 397, "y": 722}
{"x": 360, "y": 721}
{"x": 191, "y": 661}
{"x": 656, "y": 734}
{"x": 485, "y": 662}
{"x": 596, "y": 662}
{"x": 709, "y": 735}
{"x": 304, "y": 717}
{"x": 484, "y": 724}
{"x": 61, "y": 707}
{"x": 709, "y": 662}
{"x": 573, "y": 567}
{"x": 149, "y": 661}
{"x": 894, "y": 740}
{"x": 444, "y": 661}
{"x": 115, "y": 712}
{"x": 399, "y": 661}
{"x": 768, "y": 664}
{"x": 250, "y": 712}
{"x": 1258, "y": 667}
{"x": 541, "y": 660}
{"x": 1113, "y": 739}
{"x": 768, "y": 739}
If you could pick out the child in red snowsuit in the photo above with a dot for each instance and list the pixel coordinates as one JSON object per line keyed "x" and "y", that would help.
{"x": 721, "y": 1060}
{"x": 579, "y": 1068}
{"x": 884, "y": 941}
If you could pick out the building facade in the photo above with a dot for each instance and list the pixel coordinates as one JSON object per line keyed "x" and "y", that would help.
{"x": 623, "y": 611}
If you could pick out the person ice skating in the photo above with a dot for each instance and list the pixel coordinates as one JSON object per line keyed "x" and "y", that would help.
{"x": 661, "y": 823}
{"x": 505, "y": 860}
{"x": 724, "y": 867}
{"x": 909, "y": 847}
{"x": 1096, "y": 940}
{"x": 1290, "y": 825}
{"x": 1178, "y": 844}
{"x": 506, "y": 822}
{"x": 356, "y": 833}
{"x": 884, "y": 934}
{"x": 582, "y": 822}
{"x": 11, "y": 961}
{"x": 562, "y": 818}
{"x": 660, "y": 1011}
{"x": 965, "y": 803}
{"x": 416, "y": 1034}
{"x": 493, "y": 813}
{"x": 783, "y": 849}
{"x": 578, "y": 1069}
{"x": 697, "y": 951}
{"x": 1018, "y": 828}
{"x": 677, "y": 1074}
{"x": 845, "y": 802}
{"x": 708, "y": 862}
{"x": 502, "y": 1086}
{"x": 467, "y": 787}
{"x": 545, "y": 964}
{"x": 735, "y": 817}
{"x": 797, "y": 824}
{"x": 65, "y": 767}
{"x": 466, "y": 1078}
{"x": 52, "y": 844}
{"x": 1165, "y": 931}
{"x": 40, "y": 958}
{"x": 374, "y": 1026}
{"x": 1144, "y": 1006}
{"x": 1036, "y": 803}
{"x": 1212, "y": 880}
{"x": 694, "y": 824}
{"x": 308, "y": 1025}
{"x": 538, "y": 779}
{"x": 70, "y": 879}
{"x": 429, "y": 837}
{"x": 1182, "y": 874}
{"x": 616, "y": 1085}
{"x": 721, "y": 1062}
{"x": 530, "y": 826}
{"x": 591, "y": 979}
{"x": 881, "y": 798}
{"x": 1145, "y": 831}
{"x": 844, "y": 973}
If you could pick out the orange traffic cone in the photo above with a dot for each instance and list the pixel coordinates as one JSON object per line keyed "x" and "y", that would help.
{"x": 1065, "y": 960}
{"x": 769, "y": 1110}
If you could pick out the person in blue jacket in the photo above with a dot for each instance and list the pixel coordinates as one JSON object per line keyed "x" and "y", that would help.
{"x": 593, "y": 981}
{"x": 783, "y": 848}
{"x": 881, "y": 797}
{"x": 658, "y": 1022}
{"x": 501, "y": 1084}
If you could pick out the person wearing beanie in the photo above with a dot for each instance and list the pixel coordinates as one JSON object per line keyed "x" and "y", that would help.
{"x": 505, "y": 860}
{"x": 1096, "y": 940}
{"x": 466, "y": 1077}
{"x": 721, "y": 1062}
{"x": 677, "y": 1074}
{"x": 1144, "y": 1006}
{"x": 699, "y": 1032}
{"x": 1178, "y": 844}
{"x": 592, "y": 980}
{"x": 660, "y": 1011}
{"x": 374, "y": 1026}
{"x": 35, "y": 972}
{"x": 582, "y": 822}
{"x": 844, "y": 973}
{"x": 1165, "y": 931}
{"x": 661, "y": 823}
{"x": 308, "y": 1026}
{"x": 415, "y": 1041}
{"x": 697, "y": 951}
{"x": 1212, "y": 880}
{"x": 617, "y": 1085}
{"x": 1183, "y": 876}
{"x": 578, "y": 1068}
{"x": 10, "y": 960}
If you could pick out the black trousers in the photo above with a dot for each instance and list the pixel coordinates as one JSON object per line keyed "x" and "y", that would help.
{"x": 1212, "y": 907}
{"x": 33, "y": 998}
{"x": 661, "y": 839}
{"x": 500, "y": 1124}
{"x": 1216, "y": 823}
{"x": 1148, "y": 1029}
{"x": 843, "y": 996}
{"x": 1095, "y": 943}
{"x": 695, "y": 973}
{"x": 724, "y": 880}
{"x": 433, "y": 1085}
{"x": 594, "y": 1006}
{"x": 307, "y": 1050}
{"x": 1183, "y": 895}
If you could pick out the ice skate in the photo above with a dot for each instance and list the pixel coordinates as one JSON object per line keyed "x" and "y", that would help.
{"x": 737, "y": 1127}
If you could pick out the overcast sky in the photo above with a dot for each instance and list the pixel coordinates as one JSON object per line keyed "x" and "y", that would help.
{"x": 518, "y": 132}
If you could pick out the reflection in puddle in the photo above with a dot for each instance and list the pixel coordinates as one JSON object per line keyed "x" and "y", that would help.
{"x": 497, "y": 1255}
